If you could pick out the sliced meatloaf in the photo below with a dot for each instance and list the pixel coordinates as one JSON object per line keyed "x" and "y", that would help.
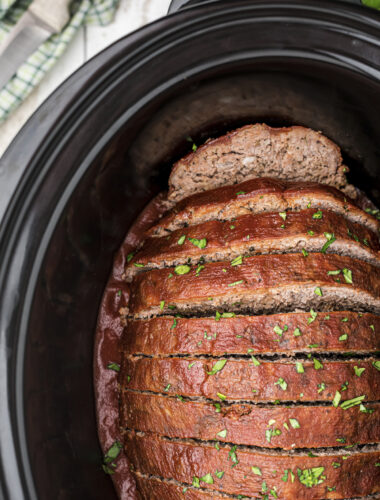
{"x": 250, "y": 348}
{"x": 262, "y": 283}
{"x": 247, "y": 424}
{"x": 253, "y": 379}
{"x": 247, "y": 235}
{"x": 250, "y": 471}
{"x": 257, "y": 196}
{"x": 288, "y": 333}
{"x": 292, "y": 153}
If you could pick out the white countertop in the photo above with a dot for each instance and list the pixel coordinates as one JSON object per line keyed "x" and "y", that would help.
{"x": 90, "y": 40}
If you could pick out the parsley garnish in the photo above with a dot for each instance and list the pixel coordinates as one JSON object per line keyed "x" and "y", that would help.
{"x": 182, "y": 239}
{"x": 318, "y": 215}
{"x": 183, "y": 269}
{"x": 113, "y": 366}
{"x": 202, "y": 243}
{"x": 219, "y": 365}
{"x": 281, "y": 382}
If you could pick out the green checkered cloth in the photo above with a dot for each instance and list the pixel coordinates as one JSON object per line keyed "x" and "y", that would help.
{"x": 100, "y": 12}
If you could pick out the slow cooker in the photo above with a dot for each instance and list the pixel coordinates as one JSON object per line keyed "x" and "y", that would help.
{"x": 101, "y": 147}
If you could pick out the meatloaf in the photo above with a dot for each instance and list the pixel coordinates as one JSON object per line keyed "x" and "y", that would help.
{"x": 250, "y": 348}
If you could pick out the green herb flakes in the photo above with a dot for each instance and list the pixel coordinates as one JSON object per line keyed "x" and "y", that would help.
{"x": 299, "y": 367}
{"x": 336, "y": 465}
{"x": 372, "y": 327}
{"x": 182, "y": 269}
{"x": 330, "y": 237}
{"x": 282, "y": 215}
{"x": 317, "y": 364}
{"x": 311, "y": 477}
{"x": 202, "y": 243}
{"x": 311, "y": 233}
{"x": 191, "y": 364}
{"x": 137, "y": 264}
{"x": 208, "y": 479}
{"x": 304, "y": 252}
{"x": 174, "y": 324}
{"x": 219, "y": 474}
{"x": 318, "y": 214}
{"x": 294, "y": 423}
{"x": 281, "y": 382}
{"x": 219, "y": 365}
{"x": 256, "y": 470}
{"x": 182, "y": 239}
{"x": 199, "y": 269}
{"x": 334, "y": 273}
{"x": 167, "y": 387}
{"x": 313, "y": 316}
{"x": 113, "y": 366}
{"x": 337, "y": 399}
{"x": 240, "y": 192}
{"x": 232, "y": 455}
{"x": 297, "y": 332}
{"x": 376, "y": 364}
{"x": 318, "y": 291}
{"x": 162, "y": 305}
{"x": 277, "y": 329}
{"x": 237, "y": 261}
{"x": 321, "y": 387}
{"x": 285, "y": 476}
{"x": 232, "y": 226}
{"x": 130, "y": 256}
{"x": 222, "y": 434}
{"x": 196, "y": 482}
{"x": 255, "y": 361}
{"x": 264, "y": 487}
{"x": 343, "y": 337}
{"x": 236, "y": 283}
{"x": 221, "y": 396}
{"x": 347, "y": 274}
{"x": 349, "y": 403}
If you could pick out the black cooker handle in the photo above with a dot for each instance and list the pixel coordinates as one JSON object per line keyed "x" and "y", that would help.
{"x": 181, "y": 4}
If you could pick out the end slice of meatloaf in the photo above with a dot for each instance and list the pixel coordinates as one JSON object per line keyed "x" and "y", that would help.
{"x": 291, "y": 153}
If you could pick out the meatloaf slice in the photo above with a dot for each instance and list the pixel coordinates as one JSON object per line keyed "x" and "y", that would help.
{"x": 230, "y": 379}
{"x": 257, "y": 196}
{"x": 248, "y": 424}
{"x": 260, "y": 283}
{"x": 292, "y": 153}
{"x": 258, "y": 234}
{"x": 290, "y": 475}
{"x": 289, "y": 333}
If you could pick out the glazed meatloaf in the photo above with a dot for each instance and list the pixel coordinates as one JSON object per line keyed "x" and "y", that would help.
{"x": 251, "y": 334}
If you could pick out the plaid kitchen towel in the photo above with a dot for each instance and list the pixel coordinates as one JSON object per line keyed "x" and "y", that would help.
{"x": 30, "y": 74}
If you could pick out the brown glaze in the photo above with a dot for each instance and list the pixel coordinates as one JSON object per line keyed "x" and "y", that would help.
{"x": 257, "y": 277}
{"x": 246, "y": 424}
{"x": 255, "y": 234}
{"x": 259, "y": 195}
{"x": 238, "y": 378}
{"x": 356, "y": 475}
{"x": 107, "y": 349}
{"x": 169, "y": 335}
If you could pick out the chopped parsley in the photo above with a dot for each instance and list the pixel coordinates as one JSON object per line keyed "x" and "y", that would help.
{"x": 130, "y": 256}
{"x": 299, "y": 367}
{"x": 207, "y": 479}
{"x": 237, "y": 261}
{"x": 337, "y": 399}
{"x": 183, "y": 269}
{"x": 202, "y": 243}
{"x": 219, "y": 365}
{"x": 232, "y": 455}
{"x": 321, "y": 387}
{"x": 281, "y": 382}
{"x": 376, "y": 364}
{"x": 196, "y": 482}
{"x": 311, "y": 233}
{"x": 318, "y": 214}
{"x": 304, "y": 252}
{"x": 222, "y": 433}
{"x": 343, "y": 337}
{"x": 199, "y": 269}
{"x": 349, "y": 403}
{"x": 113, "y": 366}
{"x": 313, "y": 316}
{"x": 174, "y": 324}
{"x": 137, "y": 264}
{"x": 318, "y": 291}
{"x": 256, "y": 470}
{"x": 219, "y": 474}
{"x": 255, "y": 361}
{"x": 167, "y": 387}
{"x": 191, "y": 364}
{"x": 282, "y": 215}
{"x": 162, "y": 305}
{"x": 330, "y": 237}
{"x": 240, "y": 192}
{"x": 221, "y": 396}
{"x": 294, "y": 423}
{"x": 236, "y": 283}
{"x": 297, "y": 332}
{"x": 108, "y": 459}
{"x": 311, "y": 477}
{"x": 317, "y": 364}
{"x": 182, "y": 239}
{"x": 347, "y": 274}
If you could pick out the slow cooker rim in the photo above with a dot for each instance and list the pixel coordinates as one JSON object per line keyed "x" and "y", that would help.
{"x": 12, "y": 381}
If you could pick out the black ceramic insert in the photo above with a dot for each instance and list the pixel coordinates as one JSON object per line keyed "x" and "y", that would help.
{"x": 102, "y": 146}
